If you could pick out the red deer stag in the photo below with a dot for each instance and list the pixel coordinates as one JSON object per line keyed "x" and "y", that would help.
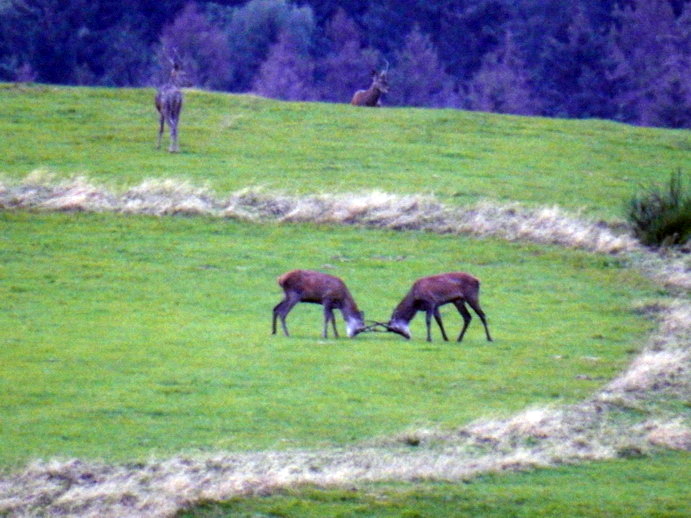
{"x": 371, "y": 96}
{"x": 429, "y": 293}
{"x": 169, "y": 104}
{"x": 318, "y": 288}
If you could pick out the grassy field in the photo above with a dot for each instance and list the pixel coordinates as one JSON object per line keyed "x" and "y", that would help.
{"x": 233, "y": 142}
{"x": 626, "y": 488}
{"x": 145, "y": 334}
{"x": 129, "y": 336}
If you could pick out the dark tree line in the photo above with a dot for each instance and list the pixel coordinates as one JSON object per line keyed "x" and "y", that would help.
{"x": 627, "y": 60}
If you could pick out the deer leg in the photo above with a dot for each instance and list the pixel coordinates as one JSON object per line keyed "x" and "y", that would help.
{"x": 281, "y": 310}
{"x": 160, "y": 131}
{"x": 333, "y": 323}
{"x": 428, "y": 322}
{"x": 329, "y": 316}
{"x": 173, "y": 136}
{"x": 277, "y": 309}
{"x": 467, "y": 317}
{"x": 437, "y": 317}
{"x": 476, "y": 307}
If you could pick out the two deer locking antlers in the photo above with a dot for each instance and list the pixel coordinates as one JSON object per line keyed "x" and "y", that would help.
{"x": 427, "y": 294}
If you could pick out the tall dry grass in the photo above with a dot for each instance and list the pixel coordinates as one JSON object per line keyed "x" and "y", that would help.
{"x": 42, "y": 191}
{"x": 545, "y": 436}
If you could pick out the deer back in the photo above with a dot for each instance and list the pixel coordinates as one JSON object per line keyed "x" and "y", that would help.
{"x": 314, "y": 286}
{"x": 445, "y": 287}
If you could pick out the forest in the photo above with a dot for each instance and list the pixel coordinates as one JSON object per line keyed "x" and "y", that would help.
{"x": 624, "y": 60}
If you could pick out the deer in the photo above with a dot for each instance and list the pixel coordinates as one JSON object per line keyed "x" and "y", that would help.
{"x": 429, "y": 293}
{"x": 168, "y": 102}
{"x": 318, "y": 288}
{"x": 372, "y": 96}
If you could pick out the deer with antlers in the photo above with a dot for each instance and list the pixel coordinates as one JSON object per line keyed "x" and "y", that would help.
{"x": 318, "y": 288}
{"x": 168, "y": 102}
{"x": 428, "y": 294}
{"x": 372, "y": 96}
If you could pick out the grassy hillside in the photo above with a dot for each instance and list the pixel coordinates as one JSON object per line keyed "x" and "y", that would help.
{"x": 130, "y": 336}
{"x": 233, "y": 142}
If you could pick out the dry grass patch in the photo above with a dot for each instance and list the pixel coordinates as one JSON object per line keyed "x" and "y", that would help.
{"x": 549, "y": 225}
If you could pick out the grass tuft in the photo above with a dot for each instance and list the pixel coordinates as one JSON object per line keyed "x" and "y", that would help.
{"x": 661, "y": 216}
{"x": 162, "y": 197}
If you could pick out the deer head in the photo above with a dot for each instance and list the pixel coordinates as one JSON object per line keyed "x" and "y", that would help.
{"x": 380, "y": 80}
{"x": 379, "y": 86}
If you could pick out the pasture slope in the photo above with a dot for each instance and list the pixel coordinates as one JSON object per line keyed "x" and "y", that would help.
{"x": 231, "y": 143}
{"x": 138, "y": 377}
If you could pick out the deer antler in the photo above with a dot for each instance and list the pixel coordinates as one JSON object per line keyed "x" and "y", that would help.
{"x": 374, "y": 325}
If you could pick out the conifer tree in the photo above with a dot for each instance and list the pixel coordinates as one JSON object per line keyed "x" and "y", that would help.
{"x": 286, "y": 74}
{"x": 418, "y": 78}
{"x": 501, "y": 85}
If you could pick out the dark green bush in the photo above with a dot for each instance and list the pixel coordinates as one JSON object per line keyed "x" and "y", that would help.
{"x": 661, "y": 216}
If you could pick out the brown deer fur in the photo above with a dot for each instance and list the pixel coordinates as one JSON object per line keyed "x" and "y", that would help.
{"x": 429, "y": 293}
{"x": 371, "y": 96}
{"x": 168, "y": 102}
{"x": 318, "y": 288}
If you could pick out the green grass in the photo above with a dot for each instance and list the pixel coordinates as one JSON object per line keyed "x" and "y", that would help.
{"x": 233, "y": 142}
{"x": 124, "y": 336}
{"x": 626, "y": 488}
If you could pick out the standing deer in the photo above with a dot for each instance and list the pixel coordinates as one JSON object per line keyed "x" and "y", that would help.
{"x": 169, "y": 104}
{"x": 318, "y": 288}
{"x": 428, "y": 293}
{"x": 371, "y": 96}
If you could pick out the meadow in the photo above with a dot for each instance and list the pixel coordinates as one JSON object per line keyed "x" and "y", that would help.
{"x": 149, "y": 334}
{"x": 127, "y": 337}
{"x": 232, "y": 142}
{"x": 623, "y": 488}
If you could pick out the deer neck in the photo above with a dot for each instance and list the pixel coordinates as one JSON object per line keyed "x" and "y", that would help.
{"x": 405, "y": 311}
{"x": 374, "y": 94}
{"x": 403, "y": 314}
{"x": 352, "y": 316}
{"x": 349, "y": 308}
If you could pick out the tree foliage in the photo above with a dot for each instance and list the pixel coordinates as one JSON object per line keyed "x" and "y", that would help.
{"x": 419, "y": 76}
{"x": 346, "y": 64}
{"x": 502, "y": 85}
{"x": 287, "y": 72}
{"x": 200, "y": 47}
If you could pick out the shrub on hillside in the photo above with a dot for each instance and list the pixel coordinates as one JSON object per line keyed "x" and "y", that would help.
{"x": 661, "y": 216}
